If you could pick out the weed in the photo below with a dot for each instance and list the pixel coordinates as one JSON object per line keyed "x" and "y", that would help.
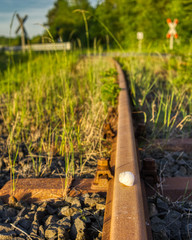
{"x": 157, "y": 88}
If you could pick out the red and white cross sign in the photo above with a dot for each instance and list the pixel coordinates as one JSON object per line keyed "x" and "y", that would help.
{"x": 172, "y": 32}
{"x": 172, "y": 26}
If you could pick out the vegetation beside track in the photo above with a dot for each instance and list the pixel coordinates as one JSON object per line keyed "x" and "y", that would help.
{"x": 53, "y": 106}
{"x": 160, "y": 89}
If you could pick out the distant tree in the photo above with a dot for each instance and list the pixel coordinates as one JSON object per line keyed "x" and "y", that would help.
{"x": 182, "y": 10}
{"x": 36, "y": 39}
{"x": 123, "y": 18}
{"x": 63, "y": 23}
{"x": 6, "y": 41}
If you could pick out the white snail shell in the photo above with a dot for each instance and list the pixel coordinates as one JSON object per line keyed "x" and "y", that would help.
{"x": 127, "y": 178}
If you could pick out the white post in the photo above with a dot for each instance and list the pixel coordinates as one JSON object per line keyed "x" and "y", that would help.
{"x": 140, "y": 39}
{"x": 22, "y": 38}
{"x": 171, "y": 42}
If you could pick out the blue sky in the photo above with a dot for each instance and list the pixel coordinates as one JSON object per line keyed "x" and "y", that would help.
{"x": 35, "y": 9}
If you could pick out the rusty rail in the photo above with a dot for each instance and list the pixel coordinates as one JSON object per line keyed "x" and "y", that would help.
{"x": 127, "y": 209}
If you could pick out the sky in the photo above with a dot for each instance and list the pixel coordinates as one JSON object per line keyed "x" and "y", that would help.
{"x": 35, "y": 9}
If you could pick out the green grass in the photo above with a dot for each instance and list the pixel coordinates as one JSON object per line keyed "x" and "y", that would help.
{"x": 56, "y": 105}
{"x": 161, "y": 87}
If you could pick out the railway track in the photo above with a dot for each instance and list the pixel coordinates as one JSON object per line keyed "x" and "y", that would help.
{"x": 126, "y": 214}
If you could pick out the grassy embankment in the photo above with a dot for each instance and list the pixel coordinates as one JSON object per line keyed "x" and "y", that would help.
{"x": 161, "y": 90}
{"x": 51, "y": 106}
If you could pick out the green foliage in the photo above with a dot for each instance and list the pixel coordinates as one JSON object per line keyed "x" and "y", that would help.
{"x": 123, "y": 18}
{"x": 36, "y": 39}
{"x": 53, "y": 105}
{"x": 161, "y": 88}
{"x": 64, "y": 23}
{"x": 116, "y": 21}
{"x": 6, "y": 41}
{"x": 110, "y": 88}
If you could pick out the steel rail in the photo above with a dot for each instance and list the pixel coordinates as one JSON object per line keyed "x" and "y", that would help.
{"x": 127, "y": 208}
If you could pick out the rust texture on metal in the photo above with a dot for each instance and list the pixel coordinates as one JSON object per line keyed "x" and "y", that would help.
{"x": 103, "y": 174}
{"x": 184, "y": 144}
{"x": 109, "y": 199}
{"x": 149, "y": 171}
{"x": 41, "y": 189}
{"x": 127, "y": 220}
{"x": 147, "y": 219}
{"x": 175, "y": 188}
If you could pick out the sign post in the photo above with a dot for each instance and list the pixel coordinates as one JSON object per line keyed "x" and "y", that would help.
{"x": 172, "y": 32}
{"x": 23, "y": 31}
{"x": 139, "y": 38}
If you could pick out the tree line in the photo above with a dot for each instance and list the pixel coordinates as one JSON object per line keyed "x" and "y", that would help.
{"x": 115, "y": 22}
{"x": 119, "y": 20}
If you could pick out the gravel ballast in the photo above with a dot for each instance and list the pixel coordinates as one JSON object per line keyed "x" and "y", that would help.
{"x": 70, "y": 218}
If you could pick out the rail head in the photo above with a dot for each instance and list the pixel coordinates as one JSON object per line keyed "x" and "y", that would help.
{"x": 128, "y": 219}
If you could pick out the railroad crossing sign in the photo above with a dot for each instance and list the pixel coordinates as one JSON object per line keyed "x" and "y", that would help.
{"x": 23, "y": 31}
{"x": 172, "y": 32}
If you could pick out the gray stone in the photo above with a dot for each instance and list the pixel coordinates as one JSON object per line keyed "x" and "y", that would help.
{"x": 40, "y": 213}
{"x": 188, "y": 227}
{"x": 174, "y": 168}
{"x": 51, "y": 232}
{"x": 76, "y": 215}
{"x": 176, "y": 235}
{"x": 5, "y": 227}
{"x": 62, "y": 233}
{"x": 7, "y": 235}
{"x": 182, "y": 171}
{"x": 11, "y": 212}
{"x": 157, "y": 225}
{"x": 174, "y": 215}
{"x": 160, "y": 235}
{"x": 65, "y": 223}
{"x": 33, "y": 207}
{"x": 77, "y": 230}
{"x": 41, "y": 232}
{"x": 69, "y": 199}
{"x": 90, "y": 202}
{"x": 86, "y": 219}
{"x": 170, "y": 158}
{"x": 34, "y": 228}
{"x": 22, "y": 212}
{"x": 51, "y": 210}
{"x": 86, "y": 195}
{"x": 161, "y": 205}
{"x": 100, "y": 206}
{"x": 50, "y": 220}
{"x": 68, "y": 211}
{"x": 152, "y": 209}
{"x": 1, "y": 202}
{"x": 59, "y": 204}
{"x": 25, "y": 223}
{"x": 20, "y": 238}
{"x": 181, "y": 162}
{"x": 173, "y": 221}
{"x": 76, "y": 203}
{"x": 30, "y": 216}
{"x": 3, "y": 212}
